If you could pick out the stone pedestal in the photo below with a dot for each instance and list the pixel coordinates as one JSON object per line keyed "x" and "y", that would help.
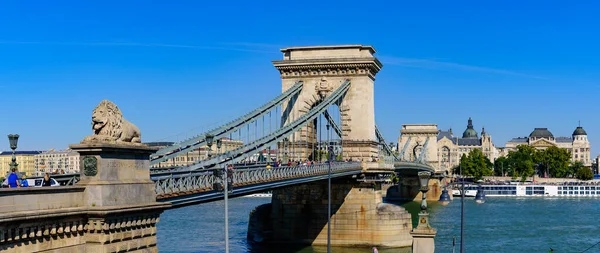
{"x": 119, "y": 196}
{"x": 423, "y": 240}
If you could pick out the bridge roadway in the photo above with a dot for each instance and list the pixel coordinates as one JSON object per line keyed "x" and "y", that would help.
{"x": 192, "y": 187}
{"x": 199, "y": 186}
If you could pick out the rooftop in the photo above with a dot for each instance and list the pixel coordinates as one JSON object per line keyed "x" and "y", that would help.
{"x": 540, "y": 132}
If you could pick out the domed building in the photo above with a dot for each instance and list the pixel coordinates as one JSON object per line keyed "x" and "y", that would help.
{"x": 451, "y": 148}
{"x": 542, "y": 138}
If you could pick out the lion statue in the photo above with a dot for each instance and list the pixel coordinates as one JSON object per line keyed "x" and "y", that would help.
{"x": 110, "y": 126}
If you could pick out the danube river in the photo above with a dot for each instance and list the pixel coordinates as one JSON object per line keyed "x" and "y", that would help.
{"x": 499, "y": 225}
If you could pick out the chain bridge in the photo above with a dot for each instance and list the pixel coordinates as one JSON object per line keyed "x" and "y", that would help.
{"x": 320, "y": 129}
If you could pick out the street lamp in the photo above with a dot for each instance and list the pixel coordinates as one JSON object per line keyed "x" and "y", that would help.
{"x": 219, "y": 143}
{"x": 226, "y": 184}
{"x": 445, "y": 197}
{"x": 13, "y": 139}
{"x": 329, "y": 161}
{"x": 480, "y": 196}
{"x": 209, "y": 142}
{"x": 423, "y": 215}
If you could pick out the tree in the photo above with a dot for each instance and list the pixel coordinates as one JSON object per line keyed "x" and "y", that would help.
{"x": 553, "y": 161}
{"x": 576, "y": 168}
{"x": 476, "y": 164}
{"x": 522, "y": 161}
{"x": 500, "y": 168}
{"x": 584, "y": 173}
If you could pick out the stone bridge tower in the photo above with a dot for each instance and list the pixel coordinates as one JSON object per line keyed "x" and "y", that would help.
{"x": 323, "y": 69}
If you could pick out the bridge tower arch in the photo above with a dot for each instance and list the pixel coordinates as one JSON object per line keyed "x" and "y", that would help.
{"x": 323, "y": 69}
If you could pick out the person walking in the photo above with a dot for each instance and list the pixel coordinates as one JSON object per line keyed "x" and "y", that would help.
{"x": 46, "y": 181}
{"x": 13, "y": 179}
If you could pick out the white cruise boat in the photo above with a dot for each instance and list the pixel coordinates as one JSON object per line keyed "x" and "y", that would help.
{"x": 533, "y": 190}
{"x": 468, "y": 193}
{"x": 259, "y": 195}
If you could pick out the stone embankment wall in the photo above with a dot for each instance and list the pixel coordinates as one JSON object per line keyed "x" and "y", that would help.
{"x": 298, "y": 215}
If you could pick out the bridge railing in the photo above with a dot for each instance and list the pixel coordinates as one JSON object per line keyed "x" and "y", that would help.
{"x": 191, "y": 182}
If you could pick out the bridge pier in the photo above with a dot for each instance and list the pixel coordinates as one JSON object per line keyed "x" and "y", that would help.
{"x": 298, "y": 215}
{"x": 407, "y": 189}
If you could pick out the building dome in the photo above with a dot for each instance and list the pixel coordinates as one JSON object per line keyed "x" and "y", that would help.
{"x": 541, "y": 133}
{"x": 579, "y": 131}
{"x": 470, "y": 133}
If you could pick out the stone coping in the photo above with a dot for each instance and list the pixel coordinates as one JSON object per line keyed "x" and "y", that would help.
{"x": 108, "y": 210}
{"x": 101, "y": 146}
{"x": 294, "y": 64}
{"x": 329, "y": 47}
{"x": 75, "y": 211}
{"x": 39, "y": 190}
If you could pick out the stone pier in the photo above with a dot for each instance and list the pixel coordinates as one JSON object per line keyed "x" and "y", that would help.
{"x": 408, "y": 190}
{"x": 298, "y": 215}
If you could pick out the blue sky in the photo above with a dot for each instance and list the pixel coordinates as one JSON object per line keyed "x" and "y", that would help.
{"x": 510, "y": 65}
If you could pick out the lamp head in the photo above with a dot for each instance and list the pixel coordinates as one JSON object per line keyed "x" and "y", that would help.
{"x": 13, "y": 139}
{"x": 209, "y": 139}
{"x": 330, "y": 152}
{"x": 424, "y": 180}
{"x": 219, "y": 143}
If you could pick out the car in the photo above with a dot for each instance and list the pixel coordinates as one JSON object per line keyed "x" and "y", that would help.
{"x": 33, "y": 182}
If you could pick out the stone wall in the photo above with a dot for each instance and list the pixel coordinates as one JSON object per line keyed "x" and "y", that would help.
{"x": 113, "y": 208}
{"x": 298, "y": 215}
{"x": 408, "y": 190}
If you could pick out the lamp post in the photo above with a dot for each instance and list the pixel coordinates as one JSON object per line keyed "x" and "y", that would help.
{"x": 13, "y": 139}
{"x": 209, "y": 142}
{"x": 226, "y": 183}
{"x": 462, "y": 214}
{"x": 219, "y": 143}
{"x": 329, "y": 161}
{"x": 423, "y": 214}
{"x": 285, "y": 149}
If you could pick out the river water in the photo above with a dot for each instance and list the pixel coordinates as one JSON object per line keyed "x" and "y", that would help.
{"x": 499, "y": 225}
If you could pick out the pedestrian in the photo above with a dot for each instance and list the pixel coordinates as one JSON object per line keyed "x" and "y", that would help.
{"x": 46, "y": 181}
{"x": 13, "y": 179}
{"x": 24, "y": 182}
{"x": 375, "y": 250}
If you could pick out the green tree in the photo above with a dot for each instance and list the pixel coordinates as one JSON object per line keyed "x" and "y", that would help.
{"x": 584, "y": 173}
{"x": 501, "y": 166}
{"x": 476, "y": 165}
{"x": 553, "y": 161}
{"x": 577, "y": 167}
{"x": 522, "y": 161}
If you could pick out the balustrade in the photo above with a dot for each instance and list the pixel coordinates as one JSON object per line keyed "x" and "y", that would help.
{"x": 183, "y": 183}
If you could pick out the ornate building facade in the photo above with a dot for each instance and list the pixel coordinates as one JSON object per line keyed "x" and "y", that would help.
{"x": 197, "y": 154}
{"x": 57, "y": 162}
{"x": 25, "y": 159}
{"x": 443, "y": 148}
{"x": 451, "y": 148}
{"x": 542, "y": 138}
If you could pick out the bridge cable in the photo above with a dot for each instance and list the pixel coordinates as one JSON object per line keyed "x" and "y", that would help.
{"x": 293, "y": 127}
